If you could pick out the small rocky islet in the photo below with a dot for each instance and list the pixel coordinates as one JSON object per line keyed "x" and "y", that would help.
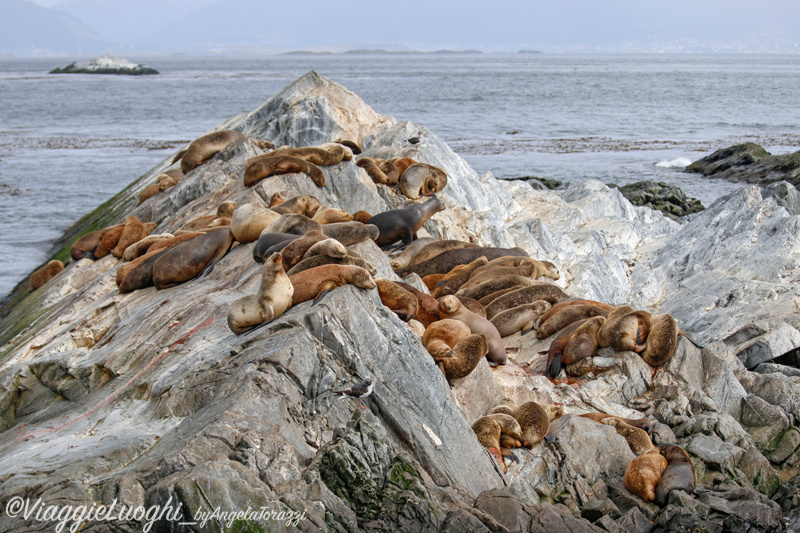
{"x": 106, "y": 65}
{"x": 148, "y": 396}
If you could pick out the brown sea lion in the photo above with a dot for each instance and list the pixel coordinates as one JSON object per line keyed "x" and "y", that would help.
{"x": 299, "y": 224}
{"x": 189, "y": 259}
{"x": 488, "y": 430}
{"x": 637, "y": 438}
{"x": 133, "y": 231}
{"x": 140, "y": 248}
{"x": 473, "y": 305}
{"x": 519, "y": 318}
{"x": 522, "y": 266}
{"x": 534, "y": 419}
{"x": 299, "y": 205}
{"x": 362, "y": 216}
{"x": 625, "y": 329}
{"x": 440, "y": 337}
{"x": 206, "y": 146}
{"x": 566, "y": 303}
{"x": 408, "y": 253}
{"x": 466, "y": 354}
{"x": 319, "y": 260}
{"x": 489, "y": 298}
{"x": 506, "y": 406}
{"x": 342, "y": 151}
{"x": 328, "y": 215}
{"x": 350, "y": 233}
{"x": 314, "y": 283}
{"x": 451, "y": 307}
{"x": 313, "y": 154}
{"x": 138, "y": 274}
{"x": 457, "y": 277}
{"x": 583, "y": 343}
{"x": 274, "y": 296}
{"x": 446, "y": 261}
{"x": 556, "y": 349}
{"x": 397, "y": 299}
{"x": 679, "y": 474}
{"x": 662, "y": 339}
{"x": 163, "y": 244}
{"x": 402, "y": 163}
{"x": 263, "y": 166}
{"x": 643, "y": 474}
{"x": 156, "y": 188}
{"x": 276, "y": 199}
{"x": 437, "y": 247}
{"x": 46, "y": 273}
{"x": 567, "y": 316}
{"x": 403, "y": 224}
{"x": 224, "y": 210}
{"x": 86, "y": 244}
{"x": 548, "y": 292}
{"x": 428, "y": 307}
{"x": 294, "y": 251}
{"x": 269, "y": 243}
{"x": 486, "y": 286}
{"x": 432, "y": 280}
{"x": 249, "y": 220}
{"x": 640, "y": 423}
{"x": 373, "y": 170}
{"x": 108, "y": 241}
{"x": 390, "y": 170}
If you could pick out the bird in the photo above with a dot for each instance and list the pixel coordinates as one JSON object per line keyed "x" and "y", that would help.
{"x": 360, "y": 390}
{"x": 413, "y": 140}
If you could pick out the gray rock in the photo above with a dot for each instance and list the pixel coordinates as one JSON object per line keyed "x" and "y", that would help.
{"x": 668, "y": 199}
{"x": 596, "y": 509}
{"x": 634, "y": 522}
{"x": 785, "y": 194}
{"x": 720, "y": 455}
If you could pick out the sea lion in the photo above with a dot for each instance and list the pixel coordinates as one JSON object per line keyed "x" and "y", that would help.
{"x": 486, "y": 286}
{"x": 133, "y": 231}
{"x": 397, "y": 299}
{"x": 138, "y": 274}
{"x": 440, "y": 337}
{"x": 638, "y": 439}
{"x": 437, "y": 247}
{"x": 640, "y": 423}
{"x": 662, "y": 340}
{"x": 431, "y": 281}
{"x": 679, "y": 474}
{"x": 159, "y": 186}
{"x": 402, "y": 163}
{"x": 506, "y": 406}
{"x": 451, "y": 307}
{"x": 519, "y": 318}
{"x": 328, "y": 215}
{"x": 224, "y": 210}
{"x": 489, "y": 298}
{"x": 276, "y": 199}
{"x": 625, "y": 329}
{"x": 350, "y": 233}
{"x": 421, "y": 180}
{"x": 86, "y": 244}
{"x": 446, "y": 261}
{"x": 206, "y": 146}
{"x": 534, "y": 419}
{"x": 274, "y": 296}
{"x": 355, "y": 148}
{"x": 249, "y": 220}
{"x": 174, "y": 173}
{"x": 583, "y": 343}
{"x": 416, "y": 326}
{"x": 408, "y": 253}
{"x": 466, "y": 354}
{"x": 342, "y": 151}
{"x": 314, "y": 283}
{"x": 548, "y": 292}
{"x": 46, "y": 273}
{"x": 403, "y": 224}
{"x": 574, "y": 301}
{"x": 391, "y": 172}
{"x": 299, "y": 224}
{"x": 644, "y": 473}
{"x": 177, "y": 157}
{"x": 266, "y": 243}
{"x": 473, "y": 305}
{"x": 370, "y": 166}
{"x": 327, "y": 246}
{"x": 567, "y": 316}
{"x": 319, "y": 260}
{"x": 163, "y": 244}
{"x": 313, "y": 154}
{"x": 294, "y": 251}
{"x": 488, "y": 430}
{"x": 299, "y": 205}
{"x": 428, "y": 306}
{"x": 141, "y": 247}
{"x": 189, "y": 259}
{"x": 263, "y": 166}
{"x": 456, "y": 278}
{"x": 362, "y": 216}
{"x": 556, "y": 349}
{"x": 108, "y": 241}
{"x": 522, "y": 266}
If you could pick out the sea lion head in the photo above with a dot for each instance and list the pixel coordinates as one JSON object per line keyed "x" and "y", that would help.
{"x": 449, "y": 304}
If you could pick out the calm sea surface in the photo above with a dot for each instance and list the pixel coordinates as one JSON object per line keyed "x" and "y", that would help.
{"x": 70, "y": 142}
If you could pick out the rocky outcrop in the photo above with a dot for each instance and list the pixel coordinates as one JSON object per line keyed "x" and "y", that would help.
{"x": 668, "y": 199}
{"x": 749, "y": 163}
{"x": 106, "y": 65}
{"x": 148, "y": 399}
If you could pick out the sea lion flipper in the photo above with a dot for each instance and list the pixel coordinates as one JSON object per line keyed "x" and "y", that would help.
{"x": 527, "y": 328}
{"x": 554, "y": 368}
{"x": 512, "y": 456}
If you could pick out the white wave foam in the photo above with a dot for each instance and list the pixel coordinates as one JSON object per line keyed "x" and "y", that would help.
{"x": 679, "y": 162}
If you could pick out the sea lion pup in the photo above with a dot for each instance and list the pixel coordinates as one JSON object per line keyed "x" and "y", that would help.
{"x": 428, "y": 306}
{"x": 319, "y": 260}
{"x": 328, "y": 247}
{"x": 133, "y": 231}
{"x": 548, "y": 292}
{"x": 638, "y": 439}
{"x": 263, "y": 166}
{"x": 315, "y": 283}
{"x": 249, "y": 220}
{"x": 625, "y": 329}
{"x": 269, "y": 243}
{"x": 313, "y": 154}
{"x": 440, "y": 337}
{"x": 644, "y": 473}
{"x": 432, "y": 281}
{"x": 355, "y": 148}
{"x": 679, "y": 474}
{"x": 640, "y": 423}
{"x": 488, "y": 430}
{"x": 86, "y": 244}
{"x": 519, "y": 318}
{"x": 350, "y": 233}
{"x": 299, "y": 224}
{"x": 447, "y": 261}
{"x": 451, "y": 307}
{"x": 373, "y": 170}
{"x": 299, "y": 205}
{"x": 438, "y": 247}
{"x": 661, "y": 340}
{"x": 403, "y": 224}
{"x": 556, "y": 349}
{"x": 206, "y": 146}
{"x": 397, "y": 299}
{"x": 534, "y": 419}
{"x": 329, "y": 215}
{"x": 455, "y": 279}
{"x": 567, "y": 316}
{"x": 159, "y": 186}
{"x": 506, "y": 406}
{"x": 466, "y": 354}
{"x": 274, "y": 296}
{"x": 486, "y": 286}
{"x": 523, "y": 266}
{"x": 573, "y": 301}
{"x": 294, "y": 251}
{"x": 46, "y": 273}
{"x": 583, "y": 343}
{"x": 140, "y": 248}
{"x": 189, "y": 259}
{"x": 421, "y": 180}
{"x": 404, "y": 258}
{"x": 108, "y": 241}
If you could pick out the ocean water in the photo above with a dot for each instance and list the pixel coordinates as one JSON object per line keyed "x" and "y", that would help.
{"x": 70, "y": 142}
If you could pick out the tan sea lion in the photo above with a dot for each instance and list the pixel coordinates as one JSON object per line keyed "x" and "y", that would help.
{"x": 466, "y": 354}
{"x": 316, "y": 282}
{"x": 404, "y": 258}
{"x": 274, "y": 296}
{"x": 457, "y": 277}
{"x": 402, "y": 163}
{"x": 431, "y": 281}
{"x": 488, "y": 430}
{"x": 313, "y": 154}
{"x": 473, "y": 305}
{"x": 548, "y": 292}
{"x": 522, "y": 266}
{"x": 440, "y": 337}
{"x": 583, "y": 343}
{"x": 534, "y": 419}
{"x": 327, "y": 246}
{"x": 328, "y": 215}
{"x": 263, "y": 166}
{"x": 428, "y": 306}
{"x": 397, "y": 299}
{"x": 373, "y": 170}
{"x": 158, "y": 187}
{"x": 342, "y": 151}
{"x": 299, "y": 205}
{"x": 662, "y": 339}
{"x": 437, "y": 247}
{"x": 403, "y": 224}
{"x": 446, "y": 261}
{"x": 276, "y": 199}
{"x": 350, "y": 233}
{"x": 295, "y": 251}
{"x": 390, "y": 170}
{"x": 86, "y": 244}
{"x": 140, "y": 248}
{"x": 206, "y": 146}
{"x": 643, "y": 474}
{"x": 489, "y": 298}
{"x": 354, "y": 147}
{"x": 421, "y": 180}
{"x": 486, "y": 286}
{"x": 319, "y": 260}
{"x": 679, "y": 474}
{"x": 506, "y": 406}
{"x": 567, "y": 316}
{"x": 249, "y": 220}
{"x": 187, "y": 260}
{"x": 625, "y": 329}
{"x": 566, "y": 303}
{"x": 638, "y": 439}
{"x": 46, "y": 273}
{"x": 108, "y": 241}
{"x": 224, "y": 210}
{"x": 133, "y": 231}
{"x": 299, "y": 224}
{"x": 451, "y": 307}
{"x": 640, "y": 423}
{"x": 519, "y": 318}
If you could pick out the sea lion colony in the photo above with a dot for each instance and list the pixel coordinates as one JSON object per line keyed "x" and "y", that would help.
{"x": 473, "y": 297}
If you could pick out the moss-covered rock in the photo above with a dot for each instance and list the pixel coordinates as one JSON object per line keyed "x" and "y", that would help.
{"x": 668, "y": 199}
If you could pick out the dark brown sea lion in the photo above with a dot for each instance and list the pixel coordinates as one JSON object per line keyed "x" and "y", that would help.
{"x": 679, "y": 474}
{"x": 456, "y": 278}
{"x": 133, "y": 231}
{"x": 404, "y": 258}
{"x": 263, "y": 166}
{"x": 556, "y": 349}
{"x": 543, "y": 290}
{"x": 86, "y": 244}
{"x": 567, "y": 316}
{"x": 446, "y": 261}
{"x": 269, "y": 243}
{"x": 138, "y": 274}
{"x": 314, "y": 283}
{"x": 163, "y": 244}
{"x": 583, "y": 343}
{"x": 294, "y": 251}
{"x": 437, "y": 247}
{"x": 493, "y": 284}
{"x": 46, "y": 273}
{"x": 319, "y": 260}
{"x": 362, "y": 216}
{"x": 189, "y": 259}
{"x": 488, "y": 430}
{"x": 108, "y": 241}
{"x": 466, "y": 354}
{"x": 432, "y": 280}
{"x": 299, "y": 224}
{"x": 575, "y": 301}
{"x": 403, "y": 224}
